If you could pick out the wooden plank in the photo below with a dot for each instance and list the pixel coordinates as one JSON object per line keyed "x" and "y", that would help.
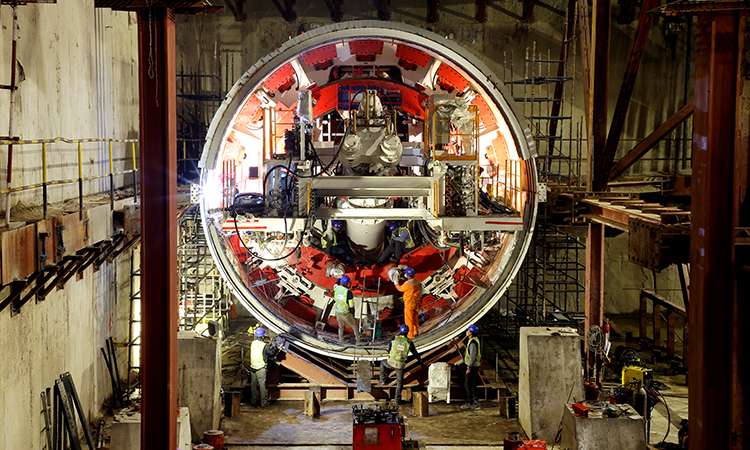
{"x": 421, "y": 407}
{"x": 75, "y": 236}
{"x": 18, "y": 254}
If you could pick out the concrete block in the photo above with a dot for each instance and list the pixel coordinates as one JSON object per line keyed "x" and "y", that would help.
{"x": 550, "y": 376}
{"x": 100, "y": 223}
{"x": 199, "y": 380}
{"x": 627, "y": 432}
{"x": 126, "y": 431}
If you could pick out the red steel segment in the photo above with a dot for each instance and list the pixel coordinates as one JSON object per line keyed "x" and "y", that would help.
{"x": 282, "y": 79}
{"x": 712, "y": 357}
{"x": 159, "y": 288}
{"x": 366, "y": 49}
{"x": 449, "y": 79}
{"x": 320, "y": 58}
{"x": 409, "y": 57}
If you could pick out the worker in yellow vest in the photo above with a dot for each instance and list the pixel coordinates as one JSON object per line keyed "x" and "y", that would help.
{"x": 260, "y": 353}
{"x": 401, "y": 242}
{"x": 335, "y": 243}
{"x": 412, "y": 290}
{"x": 398, "y": 354}
{"x": 472, "y": 359}
{"x": 344, "y": 299}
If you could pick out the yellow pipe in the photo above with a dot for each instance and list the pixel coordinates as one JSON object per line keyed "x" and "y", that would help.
{"x": 110, "y": 157}
{"x": 132, "y": 147}
{"x": 44, "y": 163}
{"x": 80, "y": 162}
{"x": 309, "y": 194}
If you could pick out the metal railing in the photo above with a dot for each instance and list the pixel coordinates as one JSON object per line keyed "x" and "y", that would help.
{"x": 45, "y": 183}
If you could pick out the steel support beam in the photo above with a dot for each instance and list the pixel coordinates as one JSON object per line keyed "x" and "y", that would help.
{"x": 740, "y": 369}
{"x": 159, "y": 288}
{"x": 585, "y": 42}
{"x": 594, "y": 307}
{"x": 481, "y": 15}
{"x": 626, "y": 91}
{"x": 712, "y": 354}
{"x": 598, "y": 91}
{"x": 647, "y": 144}
{"x": 528, "y": 11}
{"x": 570, "y": 15}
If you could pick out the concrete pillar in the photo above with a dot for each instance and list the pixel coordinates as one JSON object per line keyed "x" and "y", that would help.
{"x": 126, "y": 431}
{"x": 550, "y": 376}
{"x": 199, "y": 380}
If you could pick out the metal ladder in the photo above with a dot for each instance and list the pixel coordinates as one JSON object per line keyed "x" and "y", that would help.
{"x": 365, "y": 311}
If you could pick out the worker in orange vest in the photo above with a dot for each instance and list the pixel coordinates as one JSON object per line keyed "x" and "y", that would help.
{"x": 412, "y": 290}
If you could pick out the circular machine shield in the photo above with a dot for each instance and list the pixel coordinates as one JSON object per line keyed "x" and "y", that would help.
{"x": 440, "y": 151}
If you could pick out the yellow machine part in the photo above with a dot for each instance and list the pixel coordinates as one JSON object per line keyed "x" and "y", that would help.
{"x": 636, "y": 375}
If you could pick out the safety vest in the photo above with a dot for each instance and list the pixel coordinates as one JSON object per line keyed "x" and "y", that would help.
{"x": 324, "y": 239}
{"x": 409, "y": 242}
{"x": 256, "y": 354}
{"x": 341, "y": 295}
{"x": 399, "y": 352}
{"x": 467, "y": 357}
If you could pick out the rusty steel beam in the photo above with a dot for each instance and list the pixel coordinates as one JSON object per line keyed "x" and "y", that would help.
{"x": 124, "y": 248}
{"x": 310, "y": 370}
{"x": 93, "y": 253}
{"x": 432, "y": 11}
{"x": 570, "y": 15}
{"x": 159, "y": 288}
{"x": 599, "y": 91}
{"x": 16, "y": 289}
{"x": 528, "y": 11}
{"x": 114, "y": 242}
{"x": 481, "y": 15}
{"x": 651, "y": 140}
{"x": 626, "y": 91}
{"x": 740, "y": 406}
{"x": 40, "y": 282}
{"x": 594, "y": 295}
{"x": 585, "y": 43}
{"x": 712, "y": 354}
{"x": 695, "y": 7}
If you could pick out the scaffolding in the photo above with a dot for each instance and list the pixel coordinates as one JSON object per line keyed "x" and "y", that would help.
{"x": 549, "y": 287}
{"x": 203, "y": 295}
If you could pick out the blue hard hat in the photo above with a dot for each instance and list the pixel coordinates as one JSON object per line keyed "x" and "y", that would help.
{"x": 336, "y": 224}
{"x": 422, "y": 318}
{"x": 344, "y": 280}
{"x": 474, "y": 329}
{"x": 403, "y": 329}
{"x": 393, "y": 226}
{"x": 409, "y": 272}
{"x": 260, "y": 332}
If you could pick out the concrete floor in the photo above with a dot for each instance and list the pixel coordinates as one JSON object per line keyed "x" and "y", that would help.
{"x": 283, "y": 424}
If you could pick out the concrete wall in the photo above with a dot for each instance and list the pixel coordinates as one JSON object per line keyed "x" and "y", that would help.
{"x": 77, "y": 78}
{"x": 62, "y": 334}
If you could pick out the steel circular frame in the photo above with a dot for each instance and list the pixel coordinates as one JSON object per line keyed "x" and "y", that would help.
{"x": 448, "y": 51}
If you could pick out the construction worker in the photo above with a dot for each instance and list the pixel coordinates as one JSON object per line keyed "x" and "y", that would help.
{"x": 412, "y": 290}
{"x": 401, "y": 242}
{"x": 472, "y": 359}
{"x": 335, "y": 243}
{"x": 260, "y": 353}
{"x": 345, "y": 307}
{"x": 398, "y": 354}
